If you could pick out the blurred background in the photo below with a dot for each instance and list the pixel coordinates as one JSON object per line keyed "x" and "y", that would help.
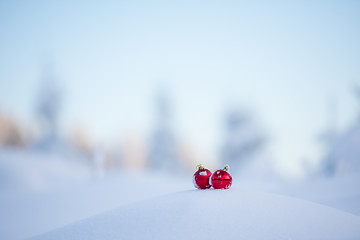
{"x": 90, "y": 89}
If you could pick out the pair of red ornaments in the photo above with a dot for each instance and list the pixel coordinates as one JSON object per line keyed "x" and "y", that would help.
{"x": 220, "y": 179}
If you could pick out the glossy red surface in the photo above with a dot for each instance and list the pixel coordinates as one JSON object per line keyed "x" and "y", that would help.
{"x": 201, "y": 179}
{"x": 221, "y": 179}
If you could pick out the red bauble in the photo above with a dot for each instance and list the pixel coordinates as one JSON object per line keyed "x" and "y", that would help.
{"x": 221, "y": 179}
{"x": 201, "y": 178}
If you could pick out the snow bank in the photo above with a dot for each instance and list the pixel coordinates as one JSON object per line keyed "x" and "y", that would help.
{"x": 35, "y": 171}
{"x": 28, "y": 214}
{"x": 216, "y": 214}
{"x": 341, "y": 192}
{"x": 41, "y": 192}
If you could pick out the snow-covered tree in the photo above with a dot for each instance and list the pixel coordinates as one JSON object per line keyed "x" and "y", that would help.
{"x": 163, "y": 153}
{"x": 242, "y": 141}
{"x": 329, "y": 138}
{"x": 343, "y": 155}
{"x": 48, "y": 107}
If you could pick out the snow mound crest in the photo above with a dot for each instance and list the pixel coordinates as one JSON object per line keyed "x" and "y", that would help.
{"x": 216, "y": 214}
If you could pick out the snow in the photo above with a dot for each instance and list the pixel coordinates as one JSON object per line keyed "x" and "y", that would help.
{"x": 203, "y": 173}
{"x": 30, "y": 208}
{"x": 51, "y": 197}
{"x": 38, "y": 171}
{"x": 27, "y": 214}
{"x": 341, "y": 192}
{"x": 215, "y": 214}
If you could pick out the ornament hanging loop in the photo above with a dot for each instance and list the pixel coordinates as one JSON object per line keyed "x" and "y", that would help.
{"x": 226, "y": 168}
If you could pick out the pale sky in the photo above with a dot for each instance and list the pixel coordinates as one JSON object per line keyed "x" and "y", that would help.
{"x": 282, "y": 60}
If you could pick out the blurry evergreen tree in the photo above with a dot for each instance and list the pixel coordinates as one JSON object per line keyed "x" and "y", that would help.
{"x": 343, "y": 155}
{"x": 48, "y": 107}
{"x": 163, "y": 152}
{"x": 242, "y": 141}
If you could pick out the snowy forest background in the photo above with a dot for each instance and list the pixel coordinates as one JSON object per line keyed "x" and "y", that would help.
{"x": 243, "y": 145}
{"x": 103, "y": 104}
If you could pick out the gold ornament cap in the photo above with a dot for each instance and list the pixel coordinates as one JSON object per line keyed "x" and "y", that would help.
{"x": 226, "y": 168}
{"x": 200, "y": 167}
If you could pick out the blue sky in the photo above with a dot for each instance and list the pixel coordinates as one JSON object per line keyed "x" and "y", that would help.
{"x": 282, "y": 60}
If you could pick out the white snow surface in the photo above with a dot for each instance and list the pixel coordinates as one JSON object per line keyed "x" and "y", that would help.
{"x": 216, "y": 214}
{"x": 203, "y": 173}
{"x": 62, "y": 194}
{"x": 51, "y": 197}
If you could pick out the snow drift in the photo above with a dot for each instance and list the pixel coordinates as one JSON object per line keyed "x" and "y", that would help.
{"x": 216, "y": 214}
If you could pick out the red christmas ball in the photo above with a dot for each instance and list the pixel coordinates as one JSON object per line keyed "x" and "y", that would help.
{"x": 201, "y": 178}
{"x": 221, "y": 179}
